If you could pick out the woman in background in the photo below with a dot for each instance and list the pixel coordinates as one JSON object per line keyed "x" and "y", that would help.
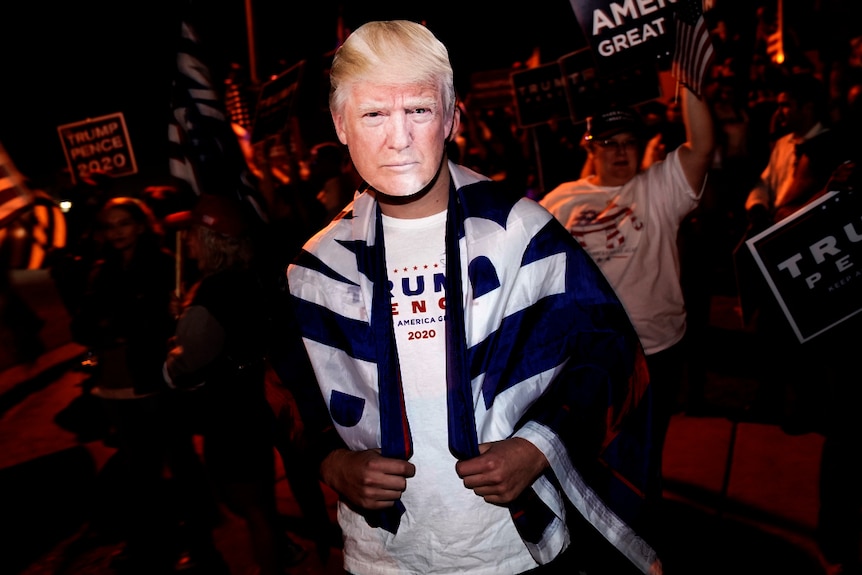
{"x": 126, "y": 321}
{"x": 219, "y": 351}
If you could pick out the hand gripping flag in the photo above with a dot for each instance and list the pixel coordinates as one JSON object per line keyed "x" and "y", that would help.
{"x": 549, "y": 354}
{"x": 693, "y": 53}
{"x": 204, "y": 152}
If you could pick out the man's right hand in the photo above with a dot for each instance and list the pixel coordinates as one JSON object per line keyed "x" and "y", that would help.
{"x": 366, "y": 478}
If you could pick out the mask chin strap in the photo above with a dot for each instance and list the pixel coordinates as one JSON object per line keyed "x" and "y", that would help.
{"x": 424, "y": 190}
{"x": 433, "y": 181}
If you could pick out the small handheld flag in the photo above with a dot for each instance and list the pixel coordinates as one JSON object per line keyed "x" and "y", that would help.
{"x": 693, "y": 53}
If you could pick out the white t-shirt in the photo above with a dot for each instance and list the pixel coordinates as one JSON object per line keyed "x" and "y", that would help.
{"x": 776, "y": 179}
{"x": 631, "y": 232}
{"x": 447, "y": 529}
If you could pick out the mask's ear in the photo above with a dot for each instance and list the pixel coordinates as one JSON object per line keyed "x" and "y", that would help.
{"x": 456, "y": 123}
{"x": 338, "y": 122}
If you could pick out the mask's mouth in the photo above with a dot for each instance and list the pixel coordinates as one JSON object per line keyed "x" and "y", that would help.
{"x": 399, "y": 200}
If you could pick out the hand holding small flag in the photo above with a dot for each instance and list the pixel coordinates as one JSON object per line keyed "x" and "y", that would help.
{"x": 693, "y": 52}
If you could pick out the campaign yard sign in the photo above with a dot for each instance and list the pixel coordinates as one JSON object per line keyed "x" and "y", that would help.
{"x": 812, "y": 262}
{"x": 582, "y": 84}
{"x": 276, "y": 103}
{"x": 98, "y": 145}
{"x": 540, "y": 95}
{"x": 491, "y": 89}
{"x": 587, "y": 89}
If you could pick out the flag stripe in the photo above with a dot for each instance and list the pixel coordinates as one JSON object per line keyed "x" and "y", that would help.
{"x": 31, "y": 222}
{"x": 14, "y": 195}
{"x": 693, "y": 53}
{"x": 202, "y": 147}
{"x": 552, "y": 305}
{"x": 42, "y": 229}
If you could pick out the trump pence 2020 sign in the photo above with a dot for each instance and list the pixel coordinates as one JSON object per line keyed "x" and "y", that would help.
{"x": 812, "y": 262}
{"x": 98, "y": 145}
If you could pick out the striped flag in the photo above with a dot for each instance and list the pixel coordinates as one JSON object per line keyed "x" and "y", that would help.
{"x": 15, "y": 197}
{"x": 31, "y": 222}
{"x": 585, "y": 375}
{"x": 203, "y": 148}
{"x": 27, "y": 241}
{"x": 693, "y": 53}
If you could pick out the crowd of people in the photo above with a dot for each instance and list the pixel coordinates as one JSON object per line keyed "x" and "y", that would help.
{"x": 481, "y": 356}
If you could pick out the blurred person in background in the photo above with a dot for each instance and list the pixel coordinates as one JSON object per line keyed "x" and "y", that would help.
{"x": 839, "y": 391}
{"x": 125, "y": 319}
{"x": 802, "y": 160}
{"x": 32, "y": 231}
{"x": 218, "y": 360}
{"x": 71, "y": 265}
{"x": 801, "y": 125}
{"x": 628, "y": 219}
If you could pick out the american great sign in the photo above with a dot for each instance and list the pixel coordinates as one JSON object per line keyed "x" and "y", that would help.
{"x": 812, "y": 262}
{"x": 626, "y": 33}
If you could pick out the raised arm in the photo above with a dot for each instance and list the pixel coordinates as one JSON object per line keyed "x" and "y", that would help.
{"x": 696, "y": 153}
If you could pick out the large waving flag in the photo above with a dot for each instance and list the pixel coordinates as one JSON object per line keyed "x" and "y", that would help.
{"x": 204, "y": 151}
{"x": 14, "y": 195}
{"x": 31, "y": 222}
{"x": 693, "y": 53}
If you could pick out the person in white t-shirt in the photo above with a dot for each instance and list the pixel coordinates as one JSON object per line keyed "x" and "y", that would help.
{"x": 628, "y": 219}
{"x": 478, "y": 382}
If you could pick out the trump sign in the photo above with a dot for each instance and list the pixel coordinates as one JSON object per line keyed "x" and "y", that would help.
{"x": 98, "y": 145}
{"x": 812, "y": 262}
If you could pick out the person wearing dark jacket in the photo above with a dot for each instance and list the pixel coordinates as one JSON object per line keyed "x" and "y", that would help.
{"x": 125, "y": 320}
{"x": 219, "y": 355}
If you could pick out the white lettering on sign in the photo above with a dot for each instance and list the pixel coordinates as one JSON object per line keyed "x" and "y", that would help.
{"x": 94, "y": 133}
{"x": 632, "y": 37}
{"x": 98, "y": 145}
{"x": 819, "y": 250}
{"x": 541, "y": 90}
{"x": 629, "y": 9}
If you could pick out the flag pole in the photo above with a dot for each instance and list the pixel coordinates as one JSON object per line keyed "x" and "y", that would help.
{"x": 252, "y": 53}
{"x": 178, "y": 264}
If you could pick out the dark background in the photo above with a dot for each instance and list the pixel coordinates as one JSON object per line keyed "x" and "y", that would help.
{"x": 66, "y": 62}
{"x": 69, "y": 61}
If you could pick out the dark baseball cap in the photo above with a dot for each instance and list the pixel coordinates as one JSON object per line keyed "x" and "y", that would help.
{"x": 613, "y": 121}
{"x": 219, "y": 213}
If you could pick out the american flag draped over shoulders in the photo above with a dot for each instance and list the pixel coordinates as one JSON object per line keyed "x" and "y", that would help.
{"x": 204, "y": 152}
{"x": 549, "y": 353}
{"x": 693, "y": 53}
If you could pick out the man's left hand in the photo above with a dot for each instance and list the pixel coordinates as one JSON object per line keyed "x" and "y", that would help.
{"x": 502, "y": 470}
